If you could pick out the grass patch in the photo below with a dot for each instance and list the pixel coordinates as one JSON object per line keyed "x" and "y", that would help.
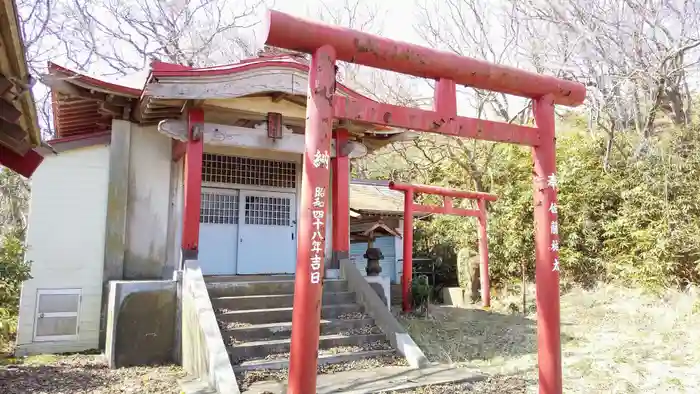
{"x": 614, "y": 340}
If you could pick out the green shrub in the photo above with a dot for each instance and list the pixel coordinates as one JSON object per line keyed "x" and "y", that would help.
{"x": 13, "y": 271}
{"x": 421, "y": 292}
{"x": 634, "y": 221}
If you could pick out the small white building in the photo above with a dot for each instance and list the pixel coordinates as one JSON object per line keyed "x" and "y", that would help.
{"x": 108, "y": 204}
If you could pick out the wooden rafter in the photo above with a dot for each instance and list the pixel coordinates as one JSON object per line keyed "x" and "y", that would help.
{"x": 8, "y": 112}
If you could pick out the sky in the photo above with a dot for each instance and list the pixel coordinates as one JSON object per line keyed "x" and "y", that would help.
{"x": 400, "y": 15}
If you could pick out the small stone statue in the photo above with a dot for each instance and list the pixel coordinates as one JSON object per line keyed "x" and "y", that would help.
{"x": 373, "y": 255}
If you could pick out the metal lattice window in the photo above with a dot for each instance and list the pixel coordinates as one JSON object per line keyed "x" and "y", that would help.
{"x": 218, "y": 208}
{"x": 268, "y": 211}
{"x": 248, "y": 171}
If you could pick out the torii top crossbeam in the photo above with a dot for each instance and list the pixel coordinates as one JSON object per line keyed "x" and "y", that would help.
{"x": 283, "y": 30}
{"x": 443, "y": 191}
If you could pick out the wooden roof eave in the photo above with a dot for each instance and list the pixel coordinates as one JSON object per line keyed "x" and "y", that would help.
{"x": 13, "y": 65}
{"x": 153, "y": 106}
{"x": 371, "y": 212}
{"x": 380, "y": 225}
{"x": 68, "y": 86}
{"x": 182, "y": 85}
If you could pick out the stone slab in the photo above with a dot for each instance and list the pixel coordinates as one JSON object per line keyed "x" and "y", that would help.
{"x": 140, "y": 323}
{"x": 378, "y": 380}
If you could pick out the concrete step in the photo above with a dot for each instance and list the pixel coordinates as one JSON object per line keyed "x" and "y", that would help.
{"x": 279, "y": 315}
{"x": 284, "y": 330}
{"x": 246, "y": 278}
{"x": 275, "y": 301}
{"x": 323, "y": 359}
{"x": 262, "y": 349}
{"x": 266, "y": 287}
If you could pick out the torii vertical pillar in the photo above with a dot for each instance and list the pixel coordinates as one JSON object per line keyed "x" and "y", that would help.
{"x": 340, "y": 165}
{"x": 547, "y": 249}
{"x": 194, "y": 151}
{"x": 484, "y": 255}
{"x": 407, "y": 276}
{"x": 311, "y": 243}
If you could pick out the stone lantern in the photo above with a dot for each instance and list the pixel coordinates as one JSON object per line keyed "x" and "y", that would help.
{"x": 372, "y": 254}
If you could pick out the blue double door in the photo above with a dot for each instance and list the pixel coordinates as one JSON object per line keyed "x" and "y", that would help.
{"x": 247, "y": 232}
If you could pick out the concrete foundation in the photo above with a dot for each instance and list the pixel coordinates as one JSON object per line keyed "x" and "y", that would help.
{"x": 453, "y": 296}
{"x": 204, "y": 354}
{"x": 381, "y": 285}
{"x": 140, "y": 322}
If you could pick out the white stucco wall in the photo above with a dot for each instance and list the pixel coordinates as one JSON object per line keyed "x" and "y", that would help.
{"x": 148, "y": 205}
{"x": 66, "y": 238}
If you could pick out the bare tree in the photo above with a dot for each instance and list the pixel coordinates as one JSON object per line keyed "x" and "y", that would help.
{"x": 35, "y": 20}
{"x": 477, "y": 28}
{"x": 355, "y": 14}
{"x": 123, "y": 36}
{"x": 380, "y": 85}
{"x": 634, "y": 55}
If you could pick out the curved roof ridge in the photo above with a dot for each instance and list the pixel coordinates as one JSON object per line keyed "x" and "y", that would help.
{"x": 165, "y": 69}
{"x": 101, "y": 82}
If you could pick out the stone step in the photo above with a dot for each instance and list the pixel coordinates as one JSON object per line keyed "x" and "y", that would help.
{"x": 323, "y": 359}
{"x": 262, "y": 349}
{"x": 280, "y": 315}
{"x": 284, "y": 330}
{"x": 245, "y": 278}
{"x": 266, "y": 287}
{"x": 275, "y": 301}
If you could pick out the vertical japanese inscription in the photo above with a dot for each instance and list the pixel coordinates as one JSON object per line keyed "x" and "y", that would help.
{"x": 318, "y": 223}
{"x": 553, "y": 225}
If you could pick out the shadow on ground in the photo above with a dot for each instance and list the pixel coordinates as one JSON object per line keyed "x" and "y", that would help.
{"x": 83, "y": 373}
{"x": 455, "y": 335}
{"x": 53, "y": 379}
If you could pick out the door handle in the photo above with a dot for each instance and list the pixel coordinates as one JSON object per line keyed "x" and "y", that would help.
{"x": 241, "y": 239}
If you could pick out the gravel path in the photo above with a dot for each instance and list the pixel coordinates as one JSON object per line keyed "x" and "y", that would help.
{"x": 85, "y": 374}
{"x": 493, "y": 385}
{"x": 245, "y": 379}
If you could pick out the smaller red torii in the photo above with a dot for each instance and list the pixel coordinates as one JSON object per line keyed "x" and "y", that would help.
{"x": 447, "y": 208}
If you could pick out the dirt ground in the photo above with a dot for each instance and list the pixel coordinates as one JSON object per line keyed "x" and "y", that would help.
{"x": 613, "y": 341}
{"x": 48, "y": 374}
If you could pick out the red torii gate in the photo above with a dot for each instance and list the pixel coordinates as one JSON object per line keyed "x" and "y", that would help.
{"x": 329, "y": 44}
{"x": 409, "y": 207}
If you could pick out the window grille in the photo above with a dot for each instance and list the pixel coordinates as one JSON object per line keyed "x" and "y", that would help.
{"x": 249, "y": 171}
{"x": 218, "y": 208}
{"x": 268, "y": 211}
